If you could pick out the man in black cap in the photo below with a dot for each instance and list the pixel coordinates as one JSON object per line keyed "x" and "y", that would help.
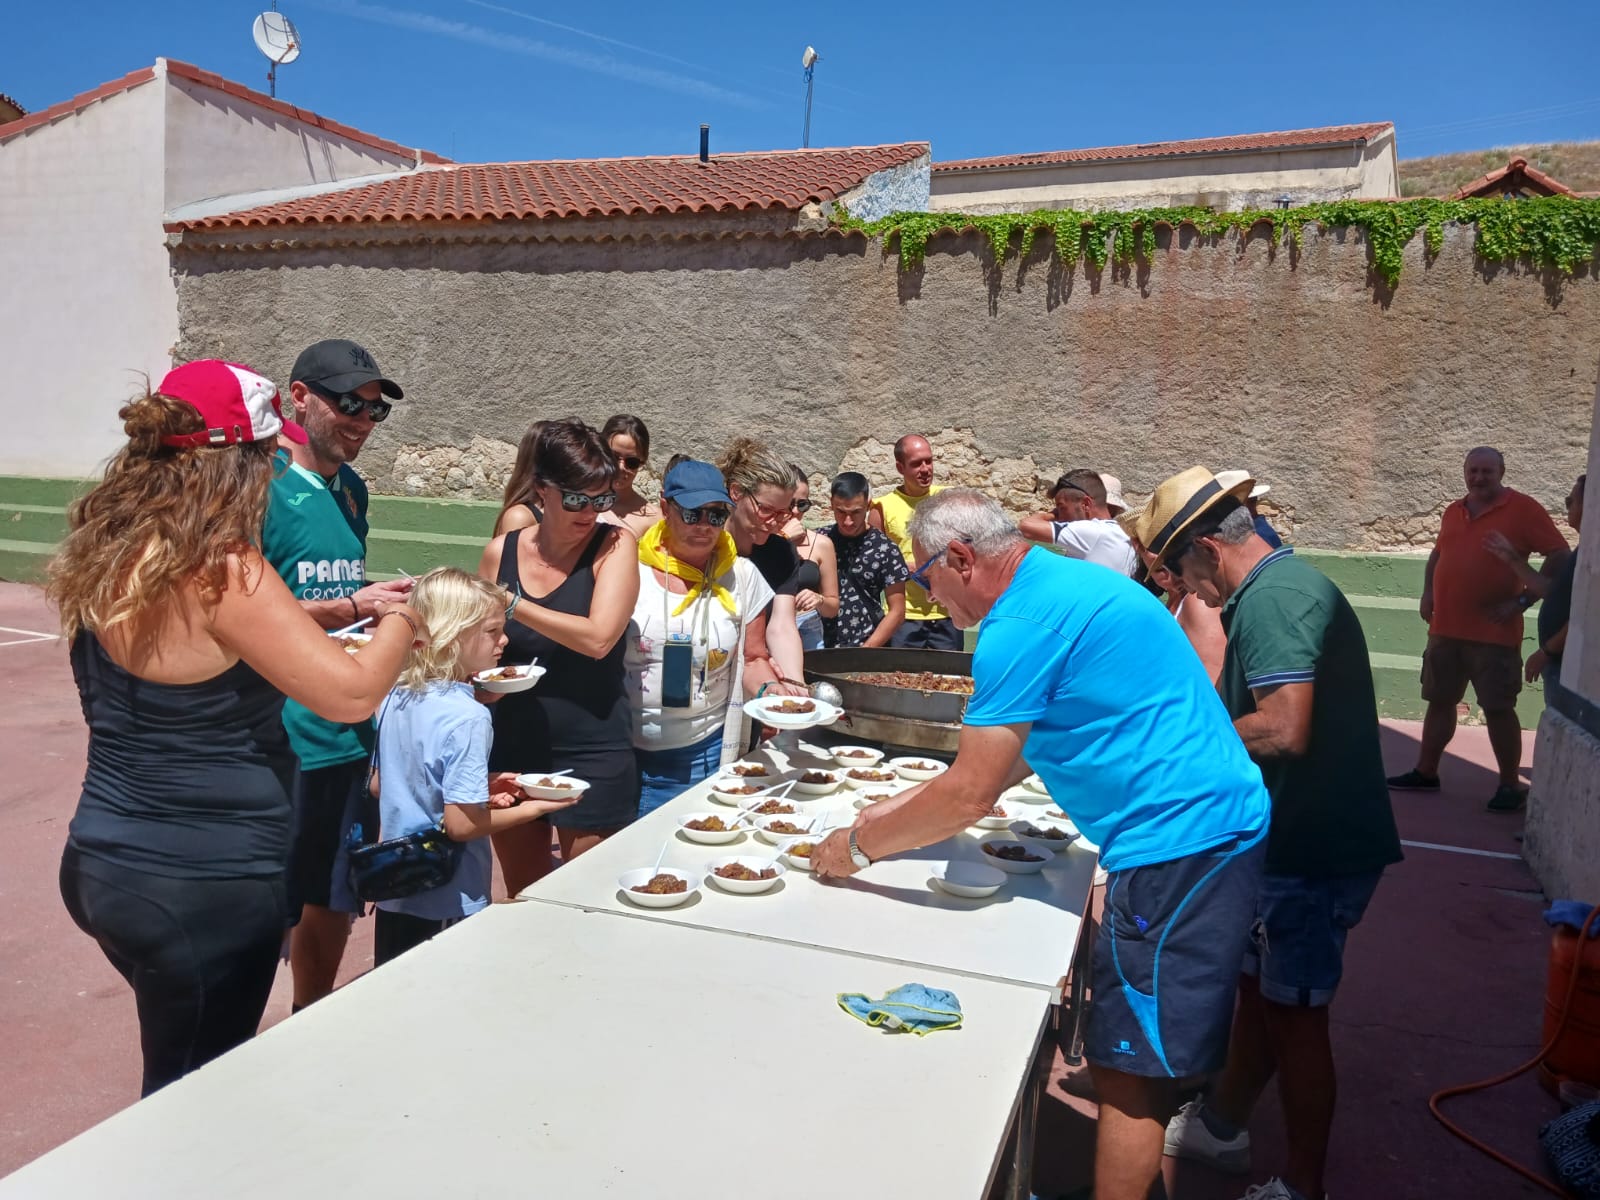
{"x": 315, "y": 537}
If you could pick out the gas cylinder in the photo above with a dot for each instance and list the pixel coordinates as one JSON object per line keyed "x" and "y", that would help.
{"x": 1576, "y": 1055}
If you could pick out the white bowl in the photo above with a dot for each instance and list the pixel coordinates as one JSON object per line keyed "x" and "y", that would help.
{"x": 562, "y": 787}
{"x": 1007, "y": 865}
{"x": 997, "y": 822}
{"x": 969, "y": 879}
{"x": 777, "y": 839}
{"x": 632, "y": 879}
{"x": 868, "y": 799}
{"x": 749, "y": 804}
{"x": 891, "y": 777}
{"x": 1034, "y": 784}
{"x": 707, "y": 836}
{"x": 802, "y": 788}
{"x": 923, "y": 770}
{"x": 856, "y": 756}
{"x": 744, "y": 887}
{"x": 1019, "y": 830}
{"x": 798, "y": 861}
{"x": 737, "y": 799}
{"x": 821, "y": 712}
{"x": 527, "y": 674}
{"x": 352, "y": 641}
{"x": 754, "y": 772}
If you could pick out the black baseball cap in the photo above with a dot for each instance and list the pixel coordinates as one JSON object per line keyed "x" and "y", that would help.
{"x": 340, "y": 365}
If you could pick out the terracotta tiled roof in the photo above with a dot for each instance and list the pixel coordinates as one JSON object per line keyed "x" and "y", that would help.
{"x": 1511, "y": 177}
{"x": 596, "y": 187}
{"x": 7, "y": 104}
{"x": 1331, "y": 135}
{"x": 183, "y": 70}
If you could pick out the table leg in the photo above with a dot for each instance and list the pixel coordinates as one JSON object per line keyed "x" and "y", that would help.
{"x": 1019, "y": 1184}
{"x": 1082, "y": 964}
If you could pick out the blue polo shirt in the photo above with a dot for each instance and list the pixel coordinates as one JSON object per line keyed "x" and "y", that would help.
{"x": 1128, "y": 733}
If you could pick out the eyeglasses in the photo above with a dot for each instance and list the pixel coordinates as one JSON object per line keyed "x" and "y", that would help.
{"x": 629, "y": 462}
{"x": 714, "y": 515}
{"x": 578, "y": 501}
{"x": 920, "y": 575}
{"x": 801, "y": 506}
{"x": 769, "y": 515}
{"x": 350, "y": 404}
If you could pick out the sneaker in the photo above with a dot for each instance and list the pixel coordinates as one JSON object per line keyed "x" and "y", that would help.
{"x": 1272, "y": 1189}
{"x": 1414, "y": 781}
{"x": 1188, "y": 1137}
{"x": 1507, "y": 799}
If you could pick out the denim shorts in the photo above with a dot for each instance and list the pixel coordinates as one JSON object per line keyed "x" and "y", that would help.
{"x": 667, "y": 774}
{"x": 1297, "y": 942}
{"x": 1166, "y": 962}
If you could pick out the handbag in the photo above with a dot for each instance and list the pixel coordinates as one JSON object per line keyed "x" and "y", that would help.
{"x": 399, "y": 867}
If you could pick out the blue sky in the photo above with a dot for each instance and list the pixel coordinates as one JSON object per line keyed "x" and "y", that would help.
{"x": 494, "y": 80}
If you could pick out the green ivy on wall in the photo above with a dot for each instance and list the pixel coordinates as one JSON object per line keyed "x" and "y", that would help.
{"x": 1557, "y": 231}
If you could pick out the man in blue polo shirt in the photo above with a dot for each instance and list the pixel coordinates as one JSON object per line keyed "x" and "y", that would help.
{"x": 1082, "y": 676}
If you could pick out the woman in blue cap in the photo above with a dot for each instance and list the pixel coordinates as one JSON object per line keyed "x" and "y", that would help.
{"x": 699, "y": 648}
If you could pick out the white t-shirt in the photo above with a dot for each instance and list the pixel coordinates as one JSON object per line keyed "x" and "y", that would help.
{"x": 1098, "y": 541}
{"x": 714, "y": 636}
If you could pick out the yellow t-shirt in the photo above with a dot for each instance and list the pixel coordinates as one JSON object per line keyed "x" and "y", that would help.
{"x": 897, "y": 509}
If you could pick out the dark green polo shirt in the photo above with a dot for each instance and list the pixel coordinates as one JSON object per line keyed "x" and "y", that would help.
{"x": 1288, "y": 623}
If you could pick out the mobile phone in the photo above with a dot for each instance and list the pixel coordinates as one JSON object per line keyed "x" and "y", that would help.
{"x": 677, "y": 663}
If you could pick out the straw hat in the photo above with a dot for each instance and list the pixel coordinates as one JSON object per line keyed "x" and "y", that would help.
{"x": 1114, "y": 501}
{"x": 1179, "y": 502}
{"x": 1228, "y": 478}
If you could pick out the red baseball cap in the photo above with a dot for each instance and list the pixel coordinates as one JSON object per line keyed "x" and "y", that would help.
{"x": 236, "y": 404}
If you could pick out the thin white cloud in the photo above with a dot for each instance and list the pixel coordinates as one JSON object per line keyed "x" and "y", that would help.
{"x": 512, "y": 43}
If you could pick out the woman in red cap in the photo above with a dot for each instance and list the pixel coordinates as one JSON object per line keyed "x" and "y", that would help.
{"x": 184, "y": 644}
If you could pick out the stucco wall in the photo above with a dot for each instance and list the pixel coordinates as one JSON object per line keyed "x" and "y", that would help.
{"x": 1226, "y": 182}
{"x": 1356, "y": 404}
{"x": 86, "y": 302}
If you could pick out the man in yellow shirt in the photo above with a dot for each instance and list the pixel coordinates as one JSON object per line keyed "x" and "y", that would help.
{"x": 927, "y": 626}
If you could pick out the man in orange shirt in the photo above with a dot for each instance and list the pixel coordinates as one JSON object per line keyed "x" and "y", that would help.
{"x": 1473, "y": 603}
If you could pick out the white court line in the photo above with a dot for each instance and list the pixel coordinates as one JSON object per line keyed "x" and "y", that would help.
{"x": 33, "y": 633}
{"x": 1459, "y": 849}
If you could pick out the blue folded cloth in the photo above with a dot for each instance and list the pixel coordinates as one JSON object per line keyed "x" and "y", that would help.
{"x": 913, "y": 1006}
{"x": 1571, "y": 913}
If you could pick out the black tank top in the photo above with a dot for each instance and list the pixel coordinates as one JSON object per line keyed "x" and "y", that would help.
{"x": 187, "y": 780}
{"x": 809, "y": 575}
{"x": 581, "y": 703}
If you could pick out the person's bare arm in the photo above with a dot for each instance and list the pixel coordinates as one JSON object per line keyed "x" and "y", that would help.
{"x": 758, "y": 672}
{"x": 359, "y": 605}
{"x": 942, "y": 807}
{"x": 875, "y": 516}
{"x": 1535, "y": 582}
{"x": 1426, "y": 607}
{"x": 1203, "y": 626}
{"x": 616, "y": 591}
{"x": 826, "y": 601}
{"x": 783, "y": 639}
{"x": 258, "y": 618}
{"x": 894, "y": 597}
{"x": 468, "y": 822}
{"x": 1281, "y": 725}
{"x": 1038, "y": 527}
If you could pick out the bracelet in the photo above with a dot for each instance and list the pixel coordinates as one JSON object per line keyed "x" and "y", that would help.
{"x": 516, "y": 594}
{"x": 762, "y": 690}
{"x": 404, "y": 616}
{"x": 355, "y": 609}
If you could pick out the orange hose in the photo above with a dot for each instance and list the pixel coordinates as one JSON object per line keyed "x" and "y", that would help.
{"x": 1484, "y": 1084}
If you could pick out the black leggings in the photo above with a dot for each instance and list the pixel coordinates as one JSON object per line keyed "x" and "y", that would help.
{"x": 394, "y": 933}
{"x": 199, "y": 954}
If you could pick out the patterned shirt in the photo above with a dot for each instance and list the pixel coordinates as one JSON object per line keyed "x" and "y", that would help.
{"x": 867, "y": 565}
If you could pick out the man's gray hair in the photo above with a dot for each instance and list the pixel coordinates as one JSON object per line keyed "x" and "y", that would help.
{"x": 960, "y": 513}
{"x": 1236, "y": 527}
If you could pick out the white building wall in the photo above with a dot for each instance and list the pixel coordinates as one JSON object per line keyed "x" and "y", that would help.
{"x": 1249, "y": 179}
{"x": 219, "y": 145}
{"x": 86, "y": 303}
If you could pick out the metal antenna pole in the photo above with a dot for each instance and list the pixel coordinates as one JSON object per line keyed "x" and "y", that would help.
{"x": 805, "y": 137}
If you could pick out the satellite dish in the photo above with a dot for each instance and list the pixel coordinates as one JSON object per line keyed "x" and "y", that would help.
{"x": 809, "y": 57}
{"x": 276, "y": 38}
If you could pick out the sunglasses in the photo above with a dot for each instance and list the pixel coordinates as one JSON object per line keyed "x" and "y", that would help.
{"x": 351, "y": 404}
{"x": 801, "y": 506}
{"x": 629, "y": 462}
{"x": 578, "y": 501}
{"x": 920, "y": 575}
{"x": 714, "y": 515}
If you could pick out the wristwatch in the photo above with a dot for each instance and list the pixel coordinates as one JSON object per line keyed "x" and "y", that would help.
{"x": 860, "y": 859}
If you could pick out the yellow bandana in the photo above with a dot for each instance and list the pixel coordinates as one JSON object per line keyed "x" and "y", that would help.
{"x": 653, "y": 553}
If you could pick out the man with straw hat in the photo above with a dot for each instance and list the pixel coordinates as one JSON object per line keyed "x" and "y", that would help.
{"x": 1147, "y": 765}
{"x": 1269, "y": 535}
{"x": 1298, "y": 685}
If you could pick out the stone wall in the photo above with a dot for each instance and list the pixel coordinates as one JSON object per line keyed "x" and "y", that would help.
{"x": 1354, "y": 401}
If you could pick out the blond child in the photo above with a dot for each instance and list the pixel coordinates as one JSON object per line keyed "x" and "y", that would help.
{"x": 433, "y": 756}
